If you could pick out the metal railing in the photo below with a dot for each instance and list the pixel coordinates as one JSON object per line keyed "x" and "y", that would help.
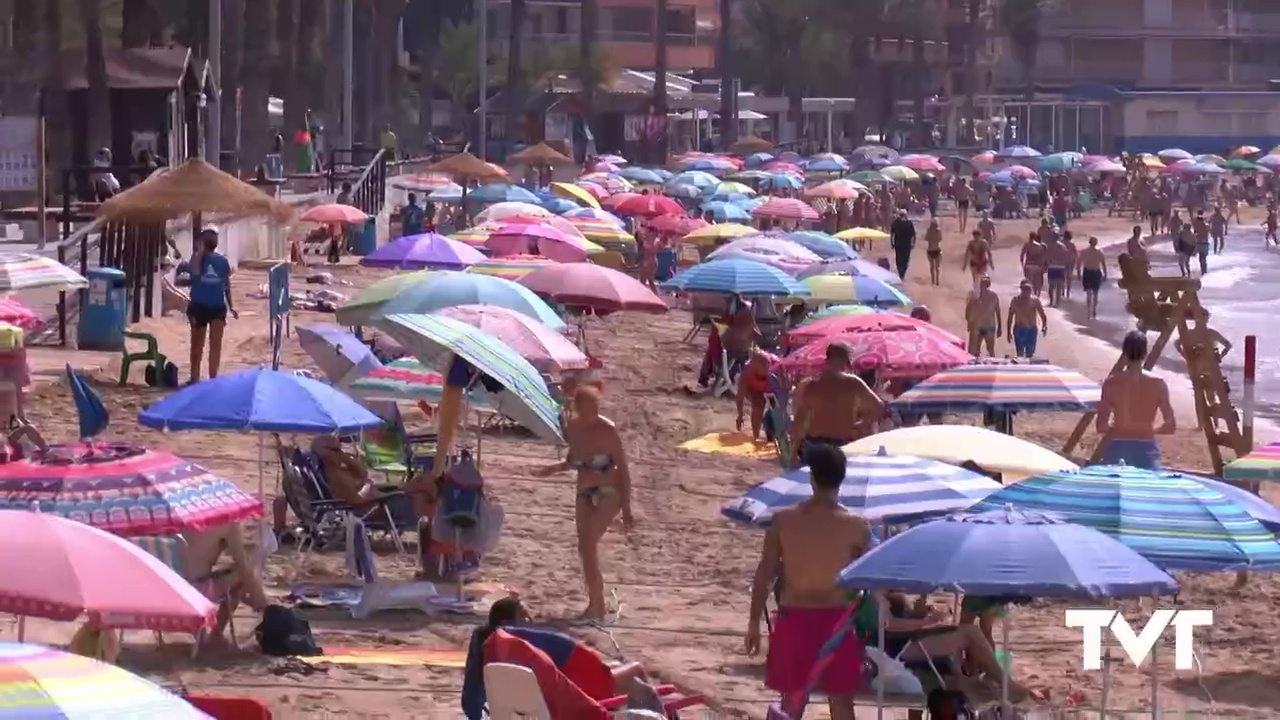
{"x": 369, "y": 191}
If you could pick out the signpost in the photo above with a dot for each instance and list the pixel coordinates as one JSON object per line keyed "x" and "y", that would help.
{"x": 19, "y": 153}
{"x": 279, "y": 306}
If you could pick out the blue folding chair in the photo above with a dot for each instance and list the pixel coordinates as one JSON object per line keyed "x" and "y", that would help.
{"x": 93, "y": 414}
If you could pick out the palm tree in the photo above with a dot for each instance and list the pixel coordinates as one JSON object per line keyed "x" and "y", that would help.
{"x": 973, "y": 38}
{"x": 255, "y": 84}
{"x": 1020, "y": 20}
{"x": 783, "y": 50}
{"x": 728, "y": 77}
{"x": 99, "y": 123}
{"x": 589, "y": 23}
{"x": 517, "y": 84}
{"x": 862, "y": 22}
{"x": 388, "y": 75}
{"x": 232, "y": 60}
{"x": 660, "y": 83}
{"x": 913, "y": 19}
{"x": 455, "y": 67}
{"x": 140, "y": 24}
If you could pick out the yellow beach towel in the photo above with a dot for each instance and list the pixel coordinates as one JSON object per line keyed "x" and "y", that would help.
{"x": 402, "y": 656}
{"x": 730, "y": 443}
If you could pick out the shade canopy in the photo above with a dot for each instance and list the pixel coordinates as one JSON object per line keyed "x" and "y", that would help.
{"x": 194, "y": 187}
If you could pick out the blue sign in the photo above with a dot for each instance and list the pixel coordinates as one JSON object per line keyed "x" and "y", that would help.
{"x": 279, "y": 305}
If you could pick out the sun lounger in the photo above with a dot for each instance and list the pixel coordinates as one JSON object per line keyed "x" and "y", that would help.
{"x": 170, "y": 550}
{"x": 513, "y": 693}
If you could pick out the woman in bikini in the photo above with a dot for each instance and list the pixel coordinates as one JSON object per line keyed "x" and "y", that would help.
{"x": 753, "y": 386}
{"x": 603, "y": 487}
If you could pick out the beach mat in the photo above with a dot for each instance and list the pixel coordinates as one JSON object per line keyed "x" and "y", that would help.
{"x": 731, "y": 443}
{"x": 401, "y": 656}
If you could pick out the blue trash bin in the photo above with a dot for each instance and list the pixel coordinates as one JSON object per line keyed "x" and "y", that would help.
{"x": 363, "y": 238}
{"x": 102, "y": 310}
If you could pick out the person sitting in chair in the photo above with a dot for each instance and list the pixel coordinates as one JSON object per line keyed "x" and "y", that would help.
{"x": 231, "y": 585}
{"x": 346, "y": 474}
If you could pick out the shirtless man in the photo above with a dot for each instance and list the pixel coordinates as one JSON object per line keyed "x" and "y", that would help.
{"x": 1024, "y": 310}
{"x": 987, "y": 227}
{"x": 1032, "y": 258}
{"x": 977, "y": 257}
{"x": 753, "y": 385}
{"x": 1184, "y": 246}
{"x": 1131, "y": 397}
{"x": 1270, "y": 225}
{"x": 1200, "y": 229}
{"x": 933, "y": 250}
{"x": 963, "y": 195}
{"x": 742, "y": 333}
{"x": 1218, "y": 230}
{"x": 1093, "y": 270}
{"x": 982, "y": 314}
{"x": 1135, "y": 249}
{"x": 1058, "y": 260}
{"x": 1069, "y": 240}
{"x": 834, "y": 408}
{"x": 203, "y": 550}
{"x": 346, "y": 474}
{"x": 805, "y": 548}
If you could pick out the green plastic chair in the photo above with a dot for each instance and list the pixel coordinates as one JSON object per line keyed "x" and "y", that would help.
{"x": 385, "y": 450}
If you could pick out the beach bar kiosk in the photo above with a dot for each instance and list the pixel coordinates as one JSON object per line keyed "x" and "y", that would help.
{"x": 103, "y": 312}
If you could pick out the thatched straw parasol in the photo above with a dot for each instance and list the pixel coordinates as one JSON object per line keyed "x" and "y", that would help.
{"x": 540, "y": 154}
{"x": 465, "y": 167}
{"x": 194, "y": 187}
{"x": 750, "y": 144}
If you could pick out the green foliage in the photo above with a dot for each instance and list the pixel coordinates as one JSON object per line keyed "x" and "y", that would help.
{"x": 1020, "y": 20}
{"x": 456, "y": 68}
{"x": 787, "y": 48}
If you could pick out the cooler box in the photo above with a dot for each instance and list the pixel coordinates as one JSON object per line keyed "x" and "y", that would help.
{"x": 364, "y": 238}
{"x": 102, "y": 310}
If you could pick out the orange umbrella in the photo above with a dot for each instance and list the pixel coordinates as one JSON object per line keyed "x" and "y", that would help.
{"x": 333, "y": 213}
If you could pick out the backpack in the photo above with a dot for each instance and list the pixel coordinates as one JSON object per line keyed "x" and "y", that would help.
{"x": 283, "y": 633}
{"x": 950, "y": 705}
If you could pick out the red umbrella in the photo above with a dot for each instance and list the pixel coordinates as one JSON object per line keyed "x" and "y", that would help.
{"x": 613, "y": 201}
{"x": 521, "y": 238}
{"x": 677, "y": 224}
{"x": 923, "y": 163}
{"x": 891, "y": 354}
{"x": 648, "y": 206}
{"x": 598, "y": 288}
{"x": 333, "y": 213}
{"x": 845, "y": 325}
{"x": 784, "y": 209}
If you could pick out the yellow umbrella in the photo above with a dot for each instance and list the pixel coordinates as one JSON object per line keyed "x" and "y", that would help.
{"x": 1012, "y": 457}
{"x": 862, "y": 234}
{"x": 724, "y": 231}
{"x": 901, "y": 173}
{"x": 1151, "y": 161}
{"x": 569, "y": 191}
{"x": 601, "y": 232}
{"x": 476, "y": 235}
{"x": 733, "y": 187}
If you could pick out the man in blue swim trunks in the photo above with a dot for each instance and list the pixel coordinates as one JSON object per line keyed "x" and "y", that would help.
{"x": 1024, "y": 310}
{"x": 1131, "y": 397}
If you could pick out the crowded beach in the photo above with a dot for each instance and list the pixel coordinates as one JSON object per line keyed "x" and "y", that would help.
{"x": 746, "y": 433}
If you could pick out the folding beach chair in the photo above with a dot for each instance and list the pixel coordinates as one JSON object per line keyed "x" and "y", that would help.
{"x": 92, "y": 413}
{"x": 170, "y": 550}
{"x": 377, "y": 514}
{"x": 320, "y": 521}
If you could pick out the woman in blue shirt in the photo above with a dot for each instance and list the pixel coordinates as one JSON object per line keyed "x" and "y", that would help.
{"x": 210, "y": 301}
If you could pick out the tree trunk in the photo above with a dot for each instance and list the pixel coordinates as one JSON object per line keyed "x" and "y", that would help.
{"x": 99, "y": 108}
{"x": 660, "y": 86}
{"x": 293, "y": 58}
{"x": 429, "y": 28}
{"x": 232, "y": 63}
{"x": 365, "y": 128}
{"x": 21, "y": 77}
{"x": 590, "y": 25}
{"x": 140, "y": 24}
{"x": 55, "y": 89}
{"x": 516, "y": 91}
{"x": 920, "y": 81}
{"x": 389, "y": 75}
{"x": 283, "y": 43}
{"x": 728, "y": 73}
{"x": 255, "y": 78}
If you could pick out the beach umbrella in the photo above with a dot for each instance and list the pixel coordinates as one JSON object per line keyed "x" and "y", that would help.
{"x": 922, "y": 163}
{"x": 602, "y": 232}
{"x": 750, "y": 144}
{"x": 340, "y": 355}
{"x": 1270, "y": 161}
{"x": 418, "y": 252}
{"x": 613, "y": 159}
{"x": 1018, "y": 151}
{"x": 1169, "y": 155}
{"x": 408, "y": 380}
{"x": 557, "y": 205}
{"x": 1002, "y": 387}
{"x": 744, "y": 277}
{"x": 501, "y": 192}
{"x": 733, "y": 188}
{"x": 600, "y": 289}
{"x": 612, "y": 184}
{"x": 60, "y": 569}
{"x": 1012, "y": 457}
{"x": 1058, "y": 163}
{"x": 737, "y": 199}
{"x": 13, "y": 312}
{"x": 861, "y": 289}
{"x": 777, "y": 208}
{"x": 1246, "y": 150}
{"x": 574, "y": 193}
{"x": 825, "y": 165}
{"x": 125, "y": 489}
{"x": 1237, "y": 164}
{"x": 783, "y": 181}
{"x": 1257, "y": 507}
{"x": 839, "y": 311}
{"x": 768, "y": 245}
{"x": 696, "y": 178}
{"x": 500, "y": 211}
{"x": 710, "y": 234}
{"x": 366, "y": 302}
{"x": 862, "y": 234}
{"x": 1202, "y": 169}
{"x": 648, "y": 206}
{"x": 333, "y": 214}
{"x": 1211, "y": 158}
{"x": 725, "y": 211}
{"x": 595, "y": 190}
{"x": 446, "y": 289}
{"x": 883, "y": 488}
{"x": 515, "y": 387}
{"x": 900, "y": 173}
{"x": 863, "y": 153}
{"x": 855, "y": 267}
{"x": 890, "y": 354}
{"x": 38, "y": 682}
{"x": 259, "y": 400}
{"x": 709, "y": 165}
{"x": 684, "y": 192}
{"x": 594, "y": 214}
{"x": 512, "y": 267}
{"x": 641, "y": 175}
{"x": 1107, "y": 167}
{"x": 676, "y": 224}
{"x": 1007, "y": 553}
{"x": 1172, "y": 520}
{"x": 613, "y": 201}
{"x": 28, "y": 271}
{"x": 788, "y": 265}
{"x": 523, "y": 239}
{"x": 545, "y": 349}
{"x": 1260, "y": 465}
{"x": 755, "y": 160}
{"x": 423, "y": 182}
{"x": 447, "y": 194}
{"x": 871, "y": 177}
{"x": 853, "y": 324}
{"x": 838, "y": 189}
{"x": 986, "y": 157}
{"x": 821, "y": 244}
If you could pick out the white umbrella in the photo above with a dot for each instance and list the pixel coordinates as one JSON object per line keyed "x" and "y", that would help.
{"x": 28, "y": 271}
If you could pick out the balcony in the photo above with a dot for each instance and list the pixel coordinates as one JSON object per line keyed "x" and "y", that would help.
{"x": 634, "y": 50}
{"x": 1189, "y": 75}
{"x": 1220, "y": 26}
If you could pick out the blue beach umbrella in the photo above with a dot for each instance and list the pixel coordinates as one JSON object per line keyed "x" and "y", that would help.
{"x": 1171, "y": 519}
{"x": 641, "y": 175}
{"x": 729, "y": 197}
{"x": 340, "y": 355}
{"x": 260, "y": 401}
{"x": 697, "y": 178}
{"x": 1007, "y": 553}
{"x": 725, "y": 211}
{"x": 743, "y": 277}
{"x": 449, "y": 194}
{"x": 783, "y": 181}
{"x": 890, "y": 488}
{"x": 684, "y": 192}
{"x": 1018, "y": 151}
{"x": 829, "y": 248}
{"x": 755, "y": 160}
{"x": 557, "y": 204}
{"x": 450, "y": 289}
{"x": 595, "y": 214}
{"x": 1059, "y": 163}
{"x": 1002, "y": 388}
{"x": 826, "y": 165}
{"x": 501, "y": 192}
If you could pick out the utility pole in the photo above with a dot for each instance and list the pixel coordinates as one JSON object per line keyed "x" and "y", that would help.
{"x": 213, "y": 138}
{"x": 482, "y": 10}
{"x": 348, "y": 73}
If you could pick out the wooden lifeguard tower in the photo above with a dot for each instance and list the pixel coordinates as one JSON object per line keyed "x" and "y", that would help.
{"x": 1169, "y": 305}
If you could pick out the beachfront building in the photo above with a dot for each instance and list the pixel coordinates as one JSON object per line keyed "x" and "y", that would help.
{"x": 1143, "y": 75}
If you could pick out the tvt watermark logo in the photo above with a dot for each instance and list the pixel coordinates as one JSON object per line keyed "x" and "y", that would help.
{"x": 1138, "y": 646}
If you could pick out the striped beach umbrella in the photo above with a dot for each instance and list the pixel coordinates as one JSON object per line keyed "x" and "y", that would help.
{"x": 512, "y": 267}
{"x": 27, "y": 271}
{"x": 1263, "y": 464}
{"x": 881, "y": 487}
{"x": 785, "y": 209}
{"x": 1009, "y": 387}
{"x": 1170, "y": 518}
{"x": 408, "y": 380}
{"x": 861, "y": 289}
{"x": 839, "y": 311}
{"x": 744, "y": 277}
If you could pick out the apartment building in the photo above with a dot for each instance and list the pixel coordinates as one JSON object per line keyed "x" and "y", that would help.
{"x": 627, "y": 29}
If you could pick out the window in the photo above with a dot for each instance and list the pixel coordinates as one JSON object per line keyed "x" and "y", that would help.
{"x": 562, "y": 20}
{"x": 1162, "y": 122}
{"x": 1251, "y": 123}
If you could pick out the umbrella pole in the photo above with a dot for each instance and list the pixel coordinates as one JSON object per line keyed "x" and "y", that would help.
{"x": 22, "y": 627}
{"x": 1005, "y": 709}
{"x": 1106, "y": 681}
{"x": 1155, "y": 679}
{"x": 872, "y": 597}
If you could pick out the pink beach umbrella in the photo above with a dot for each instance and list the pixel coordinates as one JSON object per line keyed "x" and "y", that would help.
{"x": 785, "y": 209}
{"x": 505, "y": 211}
{"x": 768, "y": 245}
{"x": 59, "y": 569}
{"x": 544, "y": 348}
{"x": 597, "y": 191}
{"x": 922, "y": 163}
{"x": 1022, "y": 172}
{"x": 13, "y": 312}
{"x": 598, "y": 289}
{"x": 333, "y": 214}
{"x": 521, "y": 239}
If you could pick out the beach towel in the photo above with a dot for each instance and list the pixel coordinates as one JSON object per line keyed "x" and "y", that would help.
{"x": 399, "y": 656}
{"x": 730, "y": 443}
{"x": 322, "y": 595}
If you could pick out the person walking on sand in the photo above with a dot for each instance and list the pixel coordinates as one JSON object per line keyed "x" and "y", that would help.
{"x": 978, "y": 258}
{"x": 1074, "y": 254}
{"x": 963, "y": 194}
{"x": 1093, "y": 270}
{"x": 603, "y": 491}
{"x": 1032, "y": 258}
{"x": 1058, "y": 260}
{"x": 210, "y": 302}
{"x": 1184, "y": 245}
{"x": 1131, "y": 397}
{"x": 1271, "y": 223}
{"x": 1200, "y": 229}
{"x": 1134, "y": 248}
{"x": 1218, "y": 230}
{"x": 982, "y": 315}
{"x": 933, "y": 250}
{"x": 902, "y": 237}
{"x": 834, "y": 408}
{"x": 1024, "y": 310}
{"x": 987, "y": 228}
{"x": 805, "y": 548}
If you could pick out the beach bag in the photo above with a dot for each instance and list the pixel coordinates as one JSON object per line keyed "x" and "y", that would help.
{"x": 283, "y": 633}
{"x": 949, "y": 705}
{"x": 462, "y": 494}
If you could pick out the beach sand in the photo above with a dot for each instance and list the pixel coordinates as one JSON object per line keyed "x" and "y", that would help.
{"x": 682, "y": 576}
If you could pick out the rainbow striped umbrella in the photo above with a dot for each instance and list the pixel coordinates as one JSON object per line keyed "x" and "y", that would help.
{"x": 1170, "y": 518}
{"x": 40, "y": 683}
{"x": 599, "y": 231}
{"x": 407, "y": 379}
{"x": 513, "y": 267}
{"x": 27, "y": 271}
{"x": 982, "y": 387}
{"x": 476, "y": 235}
{"x": 1263, "y": 464}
